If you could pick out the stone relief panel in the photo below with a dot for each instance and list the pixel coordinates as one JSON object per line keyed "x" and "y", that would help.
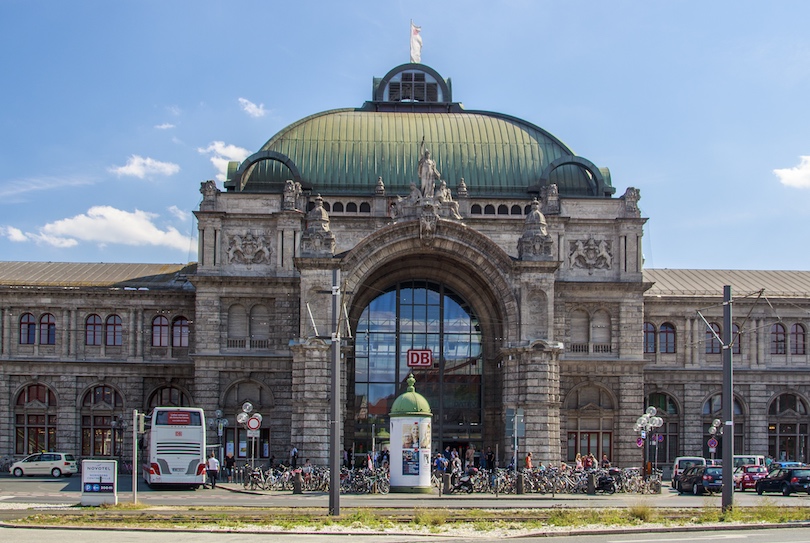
{"x": 248, "y": 249}
{"x": 590, "y": 254}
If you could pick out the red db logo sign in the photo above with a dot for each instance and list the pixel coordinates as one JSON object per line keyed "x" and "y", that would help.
{"x": 420, "y": 358}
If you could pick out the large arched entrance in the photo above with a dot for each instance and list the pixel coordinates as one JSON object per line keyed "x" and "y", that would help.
{"x": 426, "y": 316}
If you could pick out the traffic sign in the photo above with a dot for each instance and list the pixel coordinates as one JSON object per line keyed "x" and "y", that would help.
{"x": 254, "y": 423}
{"x": 253, "y": 433}
{"x": 639, "y": 442}
{"x": 712, "y": 443}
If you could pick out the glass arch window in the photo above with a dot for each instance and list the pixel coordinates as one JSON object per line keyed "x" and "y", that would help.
{"x": 180, "y": 332}
{"x": 798, "y": 340}
{"x": 778, "y": 339}
{"x": 712, "y": 341}
{"x": 47, "y": 329}
{"x": 649, "y": 338}
{"x": 788, "y": 426}
{"x": 590, "y": 412}
{"x": 101, "y": 405}
{"x": 35, "y": 420}
{"x": 713, "y": 409}
{"x": 92, "y": 330}
{"x": 666, "y": 338}
{"x": 28, "y": 329}
{"x": 160, "y": 331}
{"x": 667, "y": 449}
{"x": 168, "y": 396}
{"x": 115, "y": 331}
{"x": 419, "y": 315}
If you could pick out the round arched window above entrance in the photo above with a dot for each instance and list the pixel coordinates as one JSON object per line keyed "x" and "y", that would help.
{"x": 431, "y": 318}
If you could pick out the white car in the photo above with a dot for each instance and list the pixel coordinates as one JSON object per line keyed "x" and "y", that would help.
{"x": 46, "y": 463}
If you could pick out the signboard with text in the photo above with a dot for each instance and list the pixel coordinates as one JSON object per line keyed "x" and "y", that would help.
{"x": 420, "y": 358}
{"x": 99, "y": 482}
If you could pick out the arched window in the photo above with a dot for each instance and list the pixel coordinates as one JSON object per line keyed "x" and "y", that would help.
{"x": 667, "y": 448}
{"x": 778, "y": 339}
{"x": 92, "y": 330}
{"x": 28, "y": 329}
{"x": 712, "y": 342}
{"x": 489, "y": 209}
{"x": 180, "y": 332}
{"x": 326, "y": 207}
{"x": 47, "y": 329}
{"x": 736, "y": 339}
{"x": 35, "y": 420}
{"x": 788, "y": 426}
{"x": 168, "y": 396}
{"x": 102, "y": 414}
{"x": 160, "y": 331}
{"x": 579, "y": 331}
{"x": 237, "y": 326}
{"x": 351, "y": 207}
{"x": 259, "y": 327}
{"x": 649, "y": 338}
{"x": 365, "y": 207}
{"x": 337, "y": 207}
{"x": 713, "y": 409}
{"x": 601, "y": 333}
{"x": 798, "y": 340}
{"x": 115, "y": 331}
{"x": 516, "y": 210}
{"x": 475, "y": 209}
{"x": 420, "y": 315}
{"x": 666, "y": 338}
{"x": 590, "y": 415}
{"x": 503, "y": 209}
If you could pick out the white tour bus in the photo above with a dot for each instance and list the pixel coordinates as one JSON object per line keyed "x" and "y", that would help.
{"x": 174, "y": 447}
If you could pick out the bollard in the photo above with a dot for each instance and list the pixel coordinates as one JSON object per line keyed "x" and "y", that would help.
{"x": 446, "y": 483}
{"x": 298, "y": 483}
{"x": 591, "y": 483}
{"x": 519, "y": 487}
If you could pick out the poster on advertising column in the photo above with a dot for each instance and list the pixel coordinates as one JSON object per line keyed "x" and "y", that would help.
{"x": 410, "y": 462}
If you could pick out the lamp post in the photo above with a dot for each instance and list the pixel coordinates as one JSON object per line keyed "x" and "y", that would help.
{"x": 716, "y": 431}
{"x": 252, "y": 424}
{"x": 645, "y": 424}
{"x": 118, "y": 425}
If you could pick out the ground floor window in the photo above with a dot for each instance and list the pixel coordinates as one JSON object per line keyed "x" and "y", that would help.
{"x": 35, "y": 420}
{"x": 589, "y": 442}
{"x": 237, "y": 442}
{"x": 788, "y": 426}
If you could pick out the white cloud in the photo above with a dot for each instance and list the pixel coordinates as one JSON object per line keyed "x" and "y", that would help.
{"x": 222, "y": 154}
{"x": 21, "y": 186}
{"x": 104, "y": 225}
{"x": 798, "y": 177}
{"x": 164, "y": 126}
{"x": 252, "y": 109}
{"x": 140, "y": 167}
{"x": 179, "y": 213}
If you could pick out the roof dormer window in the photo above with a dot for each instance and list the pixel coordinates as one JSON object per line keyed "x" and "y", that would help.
{"x": 413, "y": 87}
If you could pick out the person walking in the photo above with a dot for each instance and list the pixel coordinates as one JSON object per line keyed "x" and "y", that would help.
{"x": 230, "y": 465}
{"x": 212, "y": 467}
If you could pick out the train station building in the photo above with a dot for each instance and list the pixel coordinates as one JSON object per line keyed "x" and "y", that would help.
{"x": 473, "y": 249}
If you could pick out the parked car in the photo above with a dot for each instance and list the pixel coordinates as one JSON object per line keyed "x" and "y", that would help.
{"x": 700, "y": 479}
{"x": 786, "y": 481}
{"x": 747, "y": 476}
{"x": 46, "y": 463}
{"x": 787, "y": 465}
{"x": 683, "y": 462}
{"x": 748, "y": 459}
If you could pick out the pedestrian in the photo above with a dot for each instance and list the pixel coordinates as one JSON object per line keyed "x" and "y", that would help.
{"x": 294, "y": 457}
{"x": 230, "y": 465}
{"x": 529, "y": 465}
{"x": 469, "y": 457}
{"x": 307, "y": 471}
{"x": 490, "y": 458}
{"x": 605, "y": 461}
{"x": 212, "y": 467}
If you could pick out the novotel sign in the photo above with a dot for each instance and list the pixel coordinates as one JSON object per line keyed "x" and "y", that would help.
{"x": 420, "y": 358}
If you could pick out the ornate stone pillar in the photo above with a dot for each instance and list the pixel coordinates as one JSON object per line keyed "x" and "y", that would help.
{"x": 532, "y": 383}
{"x": 756, "y": 427}
{"x": 311, "y": 395}
{"x": 631, "y": 407}
{"x": 692, "y": 429}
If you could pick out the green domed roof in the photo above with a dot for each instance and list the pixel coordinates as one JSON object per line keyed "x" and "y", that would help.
{"x": 345, "y": 151}
{"x": 410, "y": 402}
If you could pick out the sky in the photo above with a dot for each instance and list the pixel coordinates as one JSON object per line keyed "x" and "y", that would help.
{"x": 113, "y": 113}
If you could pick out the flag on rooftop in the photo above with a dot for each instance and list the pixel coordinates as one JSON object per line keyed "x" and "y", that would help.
{"x": 416, "y": 43}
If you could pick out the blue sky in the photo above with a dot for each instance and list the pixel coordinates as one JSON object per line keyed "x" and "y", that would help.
{"x": 113, "y": 113}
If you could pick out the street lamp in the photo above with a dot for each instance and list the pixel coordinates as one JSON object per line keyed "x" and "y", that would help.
{"x": 118, "y": 425}
{"x": 252, "y": 423}
{"x": 716, "y": 431}
{"x": 646, "y": 423}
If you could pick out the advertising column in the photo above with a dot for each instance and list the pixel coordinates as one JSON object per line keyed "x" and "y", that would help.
{"x": 410, "y": 442}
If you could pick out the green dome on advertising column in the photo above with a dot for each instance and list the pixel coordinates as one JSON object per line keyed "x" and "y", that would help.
{"x": 410, "y": 402}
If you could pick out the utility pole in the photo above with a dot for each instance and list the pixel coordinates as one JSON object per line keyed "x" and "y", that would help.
{"x": 728, "y": 405}
{"x": 334, "y": 414}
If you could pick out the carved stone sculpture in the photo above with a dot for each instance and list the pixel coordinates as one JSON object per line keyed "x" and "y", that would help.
{"x": 248, "y": 249}
{"x": 535, "y": 243}
{"x": 590, "y": 255}
{"x": 318, "y": 240}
